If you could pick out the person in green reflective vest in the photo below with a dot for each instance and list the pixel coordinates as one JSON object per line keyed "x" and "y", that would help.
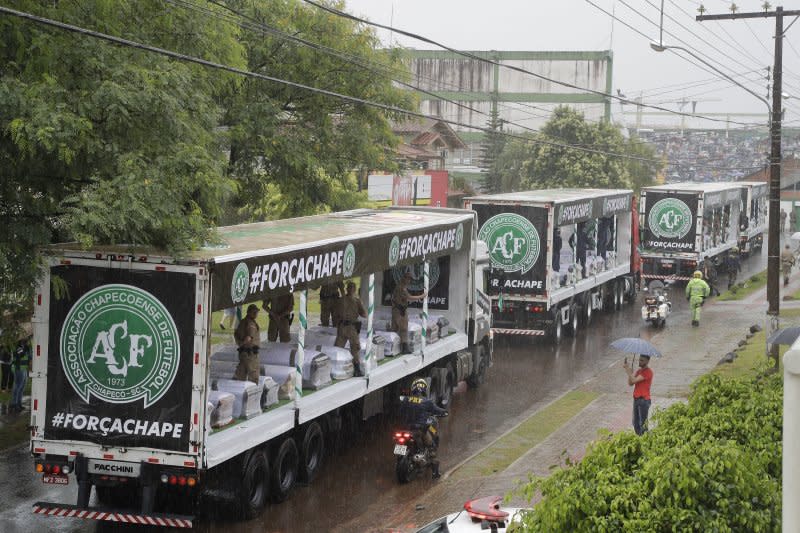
{"x": 697, "y": 291}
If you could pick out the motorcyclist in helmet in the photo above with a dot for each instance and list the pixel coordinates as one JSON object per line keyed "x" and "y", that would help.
{"x": 418, "y": 409}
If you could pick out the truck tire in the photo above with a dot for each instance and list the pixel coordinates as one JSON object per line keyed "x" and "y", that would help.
{"x": 618, "y": 295}
{"x": 587, "y": 309}
{"x": 447, "y": 387}
{"x": 572, "y": 327}
{"x": 312, "y": 452}
{"x": 254, "y": 486}
{"x": 478, "y": 376}
{"x": 557, "y": 329}
{"x": 284, "y": 470}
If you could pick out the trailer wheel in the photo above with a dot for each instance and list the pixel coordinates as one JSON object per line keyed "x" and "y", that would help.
{"x": 254, "y": 487}
{"x": 557, "y": 329}
{"x": 587, "y": 312}
{"x": 572, "y": 327}
{"x": 618, "y": 297}
{"x": 447, "y": 389}
{"x": 477, "y": 378}
{"x": 284, "y": 470}
{"x": 312, "y": 452}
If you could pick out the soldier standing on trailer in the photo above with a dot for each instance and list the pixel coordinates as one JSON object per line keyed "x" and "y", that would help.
{"x": 247, "y": 337}
{"x": 329, "y": 295}
{"x": 350, "y": 308}
{"x": 400, "y": 300}
{"x": 280, "y": 316}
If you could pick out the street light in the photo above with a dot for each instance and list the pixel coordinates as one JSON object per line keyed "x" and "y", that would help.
{"x": 773, "y": 246}
{"x": 660, "y": 47}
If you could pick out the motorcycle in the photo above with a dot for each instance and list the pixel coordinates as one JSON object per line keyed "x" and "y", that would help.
{"x": 412, "y": 454}
{"x": 656, "y": 306}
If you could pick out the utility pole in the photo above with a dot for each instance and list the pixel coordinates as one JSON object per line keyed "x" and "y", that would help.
{"x": 773, "y": 239}
{"x": 791, "y": 376}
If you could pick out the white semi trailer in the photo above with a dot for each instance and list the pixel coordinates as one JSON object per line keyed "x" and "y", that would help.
{"x": 122, "y": 395}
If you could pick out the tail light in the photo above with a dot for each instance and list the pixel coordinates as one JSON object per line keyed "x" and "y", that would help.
{"x": 531, "y": 308}
{"x": 401, "y": 437}
{"x": 650, "y": 301}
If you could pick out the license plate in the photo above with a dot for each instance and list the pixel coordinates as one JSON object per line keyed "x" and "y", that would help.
{"x": 400, "y": 449}
{"x": 114, "y": 468}
{"x": 55, "y": 479}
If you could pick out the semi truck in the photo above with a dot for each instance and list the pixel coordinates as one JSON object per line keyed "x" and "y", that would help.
{"x": 556, "y": 256}
{"x": 752, "y": 216}
{"x": 122, "y": 384}
{"x": 687, "y": 227}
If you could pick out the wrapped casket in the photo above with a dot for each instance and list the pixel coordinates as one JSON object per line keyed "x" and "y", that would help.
{"x": 391, "y": 342}
{"x": 340, "y": 360}
{"x": 221, "y": 408}
{"x": 246, "y": 394}
{"x": 378, "y": 343}
{"x": 284, "y": 376}
{"x": 220, "y": 368}
{"x": 415, "y": 336}
{"x": 318, "y": 335}
{"x": 269, "y": 396}
{"x": 444, "y": 326}
{"x": 316, "y": 365}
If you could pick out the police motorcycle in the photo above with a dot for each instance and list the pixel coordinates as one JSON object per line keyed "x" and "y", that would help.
{"x": 657, "y": 306}
{"x": 413, "y": 456}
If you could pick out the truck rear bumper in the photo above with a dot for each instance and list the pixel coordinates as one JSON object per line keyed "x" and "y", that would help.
{"x": 514, "y": 331}
{"x": 111, "y": 515}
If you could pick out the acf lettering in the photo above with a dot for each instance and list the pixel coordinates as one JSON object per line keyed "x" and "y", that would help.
{"x": 670, "y": 219}
{"x": 508, "y": 245}
{"x": 106, "y": 342}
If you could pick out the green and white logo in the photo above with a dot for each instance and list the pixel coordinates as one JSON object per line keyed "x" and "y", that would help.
{"x": 670, "y": 218}
{"x": 119, "y": 343}
{"x": 349, "y": 260}
{"x": 512, "y": 240}
{"x": 241, "y": 278}
{"x": 394, "y": 250}
{"x": 459, "y": 236}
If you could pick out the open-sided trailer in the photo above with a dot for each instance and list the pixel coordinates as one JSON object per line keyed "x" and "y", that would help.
{"x": 557, "y": 256}
{"x": 687, "y": 226}
{"x": 122, "y": 354}
{"x": 752, "y": 216}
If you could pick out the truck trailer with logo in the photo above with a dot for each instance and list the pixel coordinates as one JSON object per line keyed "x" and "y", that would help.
{"x": 687, "y": 227}
{"x": 123, "y": 383}
{"x": 752, "y": 216}
{"x": 556, "y": 256}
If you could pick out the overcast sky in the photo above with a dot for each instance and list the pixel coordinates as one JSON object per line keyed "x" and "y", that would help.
{"x": 741, "y": 48}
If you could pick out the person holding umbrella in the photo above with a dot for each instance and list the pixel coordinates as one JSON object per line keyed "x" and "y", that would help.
{"x": 640, "y": 381}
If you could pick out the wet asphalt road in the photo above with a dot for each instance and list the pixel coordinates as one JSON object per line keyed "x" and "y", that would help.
{"x": 526, "y": 376}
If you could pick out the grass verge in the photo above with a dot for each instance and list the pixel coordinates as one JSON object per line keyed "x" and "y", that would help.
{"x": 745, "y": 288}
{"x": 528, "y": 434}
{"x": 750, "y": 356}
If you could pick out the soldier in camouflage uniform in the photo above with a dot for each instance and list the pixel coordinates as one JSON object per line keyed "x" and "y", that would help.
{"x": 280, "y": 316}
{"x": 350, "y": 308}
{"x": 400, "y": 300}
{"x": 329, "y": 295}
{"x": 247, "y": 337}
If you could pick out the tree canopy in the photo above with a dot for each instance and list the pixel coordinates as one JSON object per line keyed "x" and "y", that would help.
{"x": 571, "y": 152}
{"x": 108, "y": 144}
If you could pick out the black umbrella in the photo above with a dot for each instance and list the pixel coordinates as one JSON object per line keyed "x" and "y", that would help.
{"x": 636, "y": 345}
{"x": 784, "y": 336}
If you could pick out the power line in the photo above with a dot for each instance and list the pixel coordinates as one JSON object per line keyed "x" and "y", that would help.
{"x": 210, "y": 64}
{"x": 499, "y": 64}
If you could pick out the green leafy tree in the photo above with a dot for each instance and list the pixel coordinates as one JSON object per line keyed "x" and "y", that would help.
{"x": 293, "y": 151}
{"x": 107, "y": 144}
{"x": 570, "y": 152}
{"x": 713, "y": 464}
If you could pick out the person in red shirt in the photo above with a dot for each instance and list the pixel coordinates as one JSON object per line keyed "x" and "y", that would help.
{"x": 641, "y": 381}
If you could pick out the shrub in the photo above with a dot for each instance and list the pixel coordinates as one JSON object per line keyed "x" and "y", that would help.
{"x": 712, "y": 464}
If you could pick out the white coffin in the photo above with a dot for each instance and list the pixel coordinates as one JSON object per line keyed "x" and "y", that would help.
{"x": 284, "y": 376}
{"x": 269, "y": 395}
{"x": 222, "y": 408}
{"x": 391, "y": 343}
{"x": 246, "y": 394}
{"x": 222, "y": 369}
{"x": 340, "y": 359}
{"x": 316, "y": 365}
